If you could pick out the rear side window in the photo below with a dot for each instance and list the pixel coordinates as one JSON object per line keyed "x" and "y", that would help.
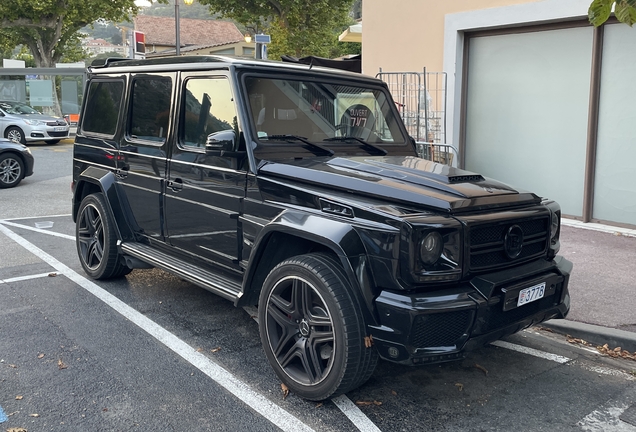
{"x": 103, "y": 107}
{"x": 150, "y": 112}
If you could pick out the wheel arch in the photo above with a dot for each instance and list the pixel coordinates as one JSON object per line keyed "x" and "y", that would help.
{"x": 97, "y": 180}
{"x": 284, "y": 239}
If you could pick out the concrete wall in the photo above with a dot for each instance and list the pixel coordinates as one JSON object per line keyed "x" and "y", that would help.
{"x": 407, "y": 35}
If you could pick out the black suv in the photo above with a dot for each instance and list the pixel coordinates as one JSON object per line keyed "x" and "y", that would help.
{"x": 298, "y": 189}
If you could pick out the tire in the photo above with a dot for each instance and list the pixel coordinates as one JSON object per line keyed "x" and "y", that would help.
{"x": 96, "y": 240}
{"x": 15, "y": 134}
{"x": 11, "y": 170}
{"x": 52, "y": 142}
{"x": 312, "y": 329}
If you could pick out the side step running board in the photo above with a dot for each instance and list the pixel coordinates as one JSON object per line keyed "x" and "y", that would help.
{"x": 212, "y": 282}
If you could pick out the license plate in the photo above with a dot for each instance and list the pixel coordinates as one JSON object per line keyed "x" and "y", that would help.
{"x": 59, "y": 128}
{"x": 528, "y": 295}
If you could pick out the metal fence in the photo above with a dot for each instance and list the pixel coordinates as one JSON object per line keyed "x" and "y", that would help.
{"x": 421, "y": 100}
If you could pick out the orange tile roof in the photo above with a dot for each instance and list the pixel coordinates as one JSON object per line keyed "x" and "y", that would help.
{"x": 161, "y": 31}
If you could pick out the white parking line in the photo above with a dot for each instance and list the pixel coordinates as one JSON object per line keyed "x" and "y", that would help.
{"x": 606, "y": 419}
{"x": 272, "y": 412}
{"x": 39, "y": 230}
{"x": 353, "y": 413}
{"x": 23, "y": 278}
{"x": 531, "y": 351}
{"x": 35, "y": 217}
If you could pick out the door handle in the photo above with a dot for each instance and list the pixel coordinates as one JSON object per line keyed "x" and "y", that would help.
{"x": 176, "y": 184}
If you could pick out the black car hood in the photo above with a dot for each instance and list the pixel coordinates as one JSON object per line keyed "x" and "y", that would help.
{"x": 406, "y": 180}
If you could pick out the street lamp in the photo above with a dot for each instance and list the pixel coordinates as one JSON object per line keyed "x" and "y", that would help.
{"x": 176, "y": 24}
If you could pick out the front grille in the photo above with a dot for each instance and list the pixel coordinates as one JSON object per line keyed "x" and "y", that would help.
{"x": 487, "y": 242}
{"x": 56, "y": 123}
{"x": 58, "y": 134}
{"x": 441, "y": 329}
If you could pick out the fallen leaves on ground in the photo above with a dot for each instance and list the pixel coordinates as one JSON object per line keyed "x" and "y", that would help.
{"x": 52, "y": 274}
{"x": 34, "y": 415}
{"x": 61, "y": 364}
{"x": 481, "y": 368}
{"x": 319, "y": 404}
{"x": 574, "y": 340}
{"x": 217, "y": 349}
{"x": 17, "y": 429}
{"x": 285, "y": 390}
{"x": 617, "y": 352}
{"x": 40, "y": 356}
{"x": 393, "y": 392}
{"x": 13, "y": 366}
{"x": 19, "y": 397}
{"x": 367, "y": 403}
{"x": 459, "y": 386}
{"x": 368, "y": 341}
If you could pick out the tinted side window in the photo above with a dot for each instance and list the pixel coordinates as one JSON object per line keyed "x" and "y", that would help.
{"x": 150, "y": 112}
{"x": 209, "y": 108}
{"x": 102, "y": 108}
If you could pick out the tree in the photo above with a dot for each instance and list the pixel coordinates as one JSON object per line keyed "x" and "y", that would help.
{"x": 49, "y": 27}
{"x": 297, "y": 27}
{"x": 624, "y": 10}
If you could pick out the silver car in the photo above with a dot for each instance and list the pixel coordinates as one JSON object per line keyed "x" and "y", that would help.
{"x": 21, "y": 123}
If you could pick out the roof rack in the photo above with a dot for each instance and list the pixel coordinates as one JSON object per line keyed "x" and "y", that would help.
{"x": 97, "y": 63}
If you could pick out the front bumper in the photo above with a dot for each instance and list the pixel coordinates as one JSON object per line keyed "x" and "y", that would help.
{"x": 441, "y": 325}
{"x": 46, "y": 133}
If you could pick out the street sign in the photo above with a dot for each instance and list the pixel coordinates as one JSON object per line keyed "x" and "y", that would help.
{"x": 261, "y": 38}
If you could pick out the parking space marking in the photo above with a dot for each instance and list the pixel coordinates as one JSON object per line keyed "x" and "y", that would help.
{"x": 39, "y": 230}
{"x": 531, "y": 351}
{"x": 272, "y": 412}
{"x": 35, "y": 217}
{"x": 606, "y": 419}
{"x": 353, "y": 413}
{"x": 23, "y": 278}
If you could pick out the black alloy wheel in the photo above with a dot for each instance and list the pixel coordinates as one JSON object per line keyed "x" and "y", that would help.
{"x": 15, "y": 134}
{"x": 312, "y": 330}
{"x": 11, "y": 170}
{"x": 96, "y": 240}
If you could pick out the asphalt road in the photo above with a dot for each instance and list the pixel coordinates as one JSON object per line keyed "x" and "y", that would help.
{"x": 152, "y": 352}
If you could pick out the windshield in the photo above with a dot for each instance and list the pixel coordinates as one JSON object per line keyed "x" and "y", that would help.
{"x": 17, "y": 108}
{"x": 323, "y": 117}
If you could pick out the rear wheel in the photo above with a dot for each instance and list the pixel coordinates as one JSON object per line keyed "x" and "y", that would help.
{"x": 15, "y": 134}
{"x": 11, "y": 170}
{"x": 312, "y": 330}
{"x": 96, "y": 240}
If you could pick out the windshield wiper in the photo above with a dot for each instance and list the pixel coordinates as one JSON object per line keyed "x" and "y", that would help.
{"x": 304, "y": 140}
{"x": 369, "y": 146}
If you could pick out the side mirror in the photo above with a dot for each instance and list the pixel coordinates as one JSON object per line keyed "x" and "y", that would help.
{"x": 222, "y": 141}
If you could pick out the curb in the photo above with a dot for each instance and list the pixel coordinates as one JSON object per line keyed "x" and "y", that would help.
{"x": 595, "y": 334}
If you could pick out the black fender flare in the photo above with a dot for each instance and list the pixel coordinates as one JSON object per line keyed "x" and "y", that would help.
{"x": 99, "y": 179}
{"x": 326, "y": 235}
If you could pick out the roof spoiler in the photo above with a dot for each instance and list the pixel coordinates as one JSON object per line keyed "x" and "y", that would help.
{"x": 100, "y": 63}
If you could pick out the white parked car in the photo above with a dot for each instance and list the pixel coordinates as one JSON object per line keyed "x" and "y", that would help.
{"x": 21, "y": 123}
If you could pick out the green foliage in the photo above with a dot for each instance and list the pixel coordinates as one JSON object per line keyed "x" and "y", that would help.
{"x": 48, "y": 27}
{"x": 624, "y": 10}
{"x": 297, "y": 27}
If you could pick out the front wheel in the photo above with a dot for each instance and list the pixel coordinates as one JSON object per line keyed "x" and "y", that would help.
{"x": 311, "y": 328}
{"x": 11, "y": 170}
{"x": 15, "y": 134}
{"x": 96, "y": 240}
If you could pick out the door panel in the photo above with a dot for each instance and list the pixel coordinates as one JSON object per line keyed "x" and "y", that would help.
{"x": 205, "y": 187}
{"x": 143, "y": 151}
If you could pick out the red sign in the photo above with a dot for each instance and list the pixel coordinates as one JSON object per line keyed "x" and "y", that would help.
{"x": 140, "y": 42}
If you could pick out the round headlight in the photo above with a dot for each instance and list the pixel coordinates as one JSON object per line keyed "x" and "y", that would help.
{"x": 431, "y": 248}
{"x": 554, "y": 226}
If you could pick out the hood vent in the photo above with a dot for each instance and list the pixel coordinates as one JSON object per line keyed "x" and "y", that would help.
{"x": 465, "y": 178}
